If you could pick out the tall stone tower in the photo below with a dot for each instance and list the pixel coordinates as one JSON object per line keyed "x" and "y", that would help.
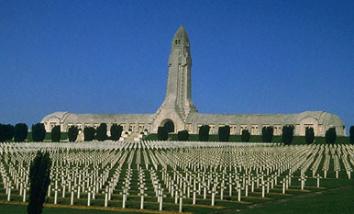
{"x": 178, "y": 100}
{"x": 178, "y": 93}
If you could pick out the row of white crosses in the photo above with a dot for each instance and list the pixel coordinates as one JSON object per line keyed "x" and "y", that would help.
{"x": 14, "y": 175}
{"x": 62, "y": 178}
{"x": 301, "y": 165}
{"x": 200, "y": 171}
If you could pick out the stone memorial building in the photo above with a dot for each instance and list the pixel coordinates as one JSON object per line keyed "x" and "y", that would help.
{"x": 178, "y": 112}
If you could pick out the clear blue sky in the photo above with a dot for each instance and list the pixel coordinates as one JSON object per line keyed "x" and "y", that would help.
{"x": 111, "y": 56}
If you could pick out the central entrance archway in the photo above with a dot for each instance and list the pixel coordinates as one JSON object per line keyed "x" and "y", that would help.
{"x": 169, "y": 125}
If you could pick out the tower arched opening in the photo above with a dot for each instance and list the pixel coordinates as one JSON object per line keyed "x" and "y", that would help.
{"x": 169, "y": 125}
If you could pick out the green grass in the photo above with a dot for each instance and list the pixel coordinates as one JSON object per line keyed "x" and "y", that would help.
{"x": 337, "y": 200}
{"x": 11, "y": 208}
{"x": 254, "y": 138}
{"x": 337, "y": 196}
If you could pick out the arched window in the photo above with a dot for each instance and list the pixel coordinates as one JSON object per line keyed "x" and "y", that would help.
{"x": 169, "y": 125}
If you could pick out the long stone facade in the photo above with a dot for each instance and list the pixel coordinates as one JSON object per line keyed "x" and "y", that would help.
{"x": 178, "y": 111}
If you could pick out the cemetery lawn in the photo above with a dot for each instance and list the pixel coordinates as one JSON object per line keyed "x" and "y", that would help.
{"x": 140, "y": 169}
{"x": 21, "y": 208}
{"x": 338, "y": 197}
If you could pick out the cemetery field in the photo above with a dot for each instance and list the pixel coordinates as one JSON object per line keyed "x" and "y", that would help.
{"x": 191, "y": 177}
{"x": 337, "y": 198}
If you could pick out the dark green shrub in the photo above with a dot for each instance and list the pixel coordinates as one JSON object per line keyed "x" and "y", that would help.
{"x": 20, "y": 132}
{"x": 183, "y": 135}
{"x": 351, "y": 135}
{"x": 101, "y": 132}
{"x": 2, "y": 132}
{"x": 6, "y": 132}
{"x": 55, "y": 134}
{"x": 204, "y": 133}
{"x": 267, "y": 134}
{"x": 245, "y": 135}
{"x": 288, "y": 134}
{"x": 309, "y": 135}
{"x": 162, "y": 133}
{"x": 38, "y": 132}
{"x": 73, "y": 131}
{"x": 116, "y": 132}
{"x": 224, "y": 133}
{"x": 89, "y": 133}
{"x": 331, "y": 136}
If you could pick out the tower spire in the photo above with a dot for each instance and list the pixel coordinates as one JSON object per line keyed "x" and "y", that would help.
{"x": 177, "y": 104}
{"x": 181, "y": 37}
{"x": 178, "y": 93}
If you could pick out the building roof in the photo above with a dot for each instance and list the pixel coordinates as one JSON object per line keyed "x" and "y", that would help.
{"x": 65, "y": 117}
{"x": 323, "y": 118}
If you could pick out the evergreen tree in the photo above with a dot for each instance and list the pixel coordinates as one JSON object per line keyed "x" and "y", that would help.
{"x": 224, "y": 133}
{"x": 245, "y": 135}
{"x": 6, "y": 132}
{"x": 351, "y": 135}
{"x": 162, "y": 133}
{"x": 55, "y": 134}
{"x": 331, "y": 136}
{"x": 38, "y": 132}
{"x": 288, "y": 134}
{"x": 2, "y": 132}
{"x": 309, "y": 135}
{"x": 39, "y": 179}
{"x": 204, "y": 133}
{"x": 116, "y": 132}
{"x": 101, "y": 132}
{"x": 264, "y": 134}
{"x": 267, "y": 134}
{"x": 73, "y": 131}
{"x": 20, "y": 132}
{"x": 89, "y": 133}
{"x": 183, "y": 135}
{"x": 10, "y": 132}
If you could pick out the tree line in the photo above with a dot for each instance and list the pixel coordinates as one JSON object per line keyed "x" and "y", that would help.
{"x": 99, "y": 133}
{"x": 20, "y": 133}
{"x": 267, "y": 134}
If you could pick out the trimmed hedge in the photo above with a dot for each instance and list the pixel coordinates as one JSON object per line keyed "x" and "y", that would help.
{"x": 20, "y": 132}
{"x": 297, "y": 140}
{"x": 162, "y": 133}
{"x": 183, "y": 135}
{"x": 55, "y": 134}
{"x": 38, "y": 132}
